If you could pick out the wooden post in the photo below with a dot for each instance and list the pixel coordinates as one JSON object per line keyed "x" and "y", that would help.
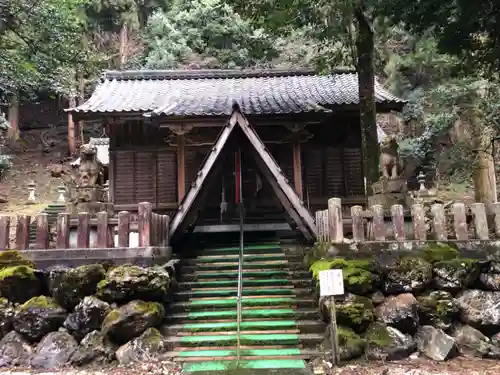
{"x": 4, "y": 232}
{"x": 145, "y": 212}
{"x": 324, "y": 223}
{"x": 317, "y": 217}
{"x": 439, "y": 222}
{"x": 22, "y": 232}
{"x": 13, "y": 115}
{"x": 378, "y": 223}
{"x": 419, "y": 226}
{"x": 181, "y": 167}
{"x": 123, "y": 228}
{"x": 166, "y": 226}
{"x": 495, "y": 209}
{"x": 62, "y": 241}
{"x": 480, "y": 221}
{"x": 460, "y": 221}
{"x": 102, "y": 230}
{"x": 42, "y": 231}
{"x": 154, "y": 229}
{"x": 358, "y": 229}
{"x": 398, "y": 222}
{"x": 297, "y": 169}
{"x": 71, "y": 127}
{"x": 83, "y": 231}
{"x": 335, "y": 223}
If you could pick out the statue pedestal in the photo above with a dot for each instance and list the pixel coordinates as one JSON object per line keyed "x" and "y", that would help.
{"x": 89, "y": 199}
{"x": 387, "y": 192}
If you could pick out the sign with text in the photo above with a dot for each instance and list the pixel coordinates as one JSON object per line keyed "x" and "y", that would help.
{"x": 331, "y": 283}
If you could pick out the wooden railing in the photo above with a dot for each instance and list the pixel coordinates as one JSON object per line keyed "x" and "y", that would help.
{"x": 456, "y": 222}
{"x": 152, "y": 230}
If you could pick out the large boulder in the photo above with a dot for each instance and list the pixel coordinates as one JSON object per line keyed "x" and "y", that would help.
{"x": 129, "y": 321}
{"x": 18, "y": 283}
{"x": 400, "y": 312}
{"x": 435, "y": 344}
{"x": 127, "y": 283}
{"x": 54, "y": 350}
{"x": 6, "y": 316}
{"x": 351, "y": 345}
{"x": 457, "y": 274}
{"x": 438, "y": 309}
{"x": 353, "y": 311}
{"x": 96, "y": 349}
{"x": 407, "y": 275}
{"x": 472, "y": 340}
{"x": 38, "y": 317}
{"x": 14, "y": 350}
{"x": 68, "y": 286}
{"x": 490, "y": 278}
{"x": 11, "y": 258}
{"x": 385, "y": 343}
{"x": 142, "y": 348}
{"x": 480, "y": 309}
{"x": 87, "y": 316}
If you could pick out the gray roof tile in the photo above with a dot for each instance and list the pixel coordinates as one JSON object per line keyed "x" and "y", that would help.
{"x": 212, "y": 92}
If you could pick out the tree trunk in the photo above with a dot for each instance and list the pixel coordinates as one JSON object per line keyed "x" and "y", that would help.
{"x": 367, "y": 111}
{"x": 81, "y": 100}
{"x": 13, "y": 116}
{"x": 71, "y": 127}
{"x": 484, "y": 171}
{"x": 123, "y": 46}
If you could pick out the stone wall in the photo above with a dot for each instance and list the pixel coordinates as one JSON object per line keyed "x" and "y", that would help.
{"x": 433, "y": 300}
{"x": 86, "y": 315}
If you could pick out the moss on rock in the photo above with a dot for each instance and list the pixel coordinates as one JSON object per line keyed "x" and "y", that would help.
{"x": 317, "y": 252}
{"x": 355, "y": 312}
{"x": 438, "y": 309}
{"x": 40, "y": 302}
{"x": 18, "y": 283}
{"x": 10, "y": 258}
{"x": 438, "y": 251}
{"x": 456, "y": 274}
{"x": 408, "y": 274}
{"x": 387, "y": 343}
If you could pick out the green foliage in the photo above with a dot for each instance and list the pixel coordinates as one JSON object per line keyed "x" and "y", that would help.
{"x": 208, "y": 33}
{"x": 437, "y": 252}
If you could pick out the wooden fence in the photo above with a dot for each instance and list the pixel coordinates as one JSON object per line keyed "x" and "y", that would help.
{"x": 459, "y": 222}
{"x": 152, "y": 230}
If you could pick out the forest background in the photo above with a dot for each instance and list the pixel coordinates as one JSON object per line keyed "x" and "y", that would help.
{"x": 441, "y": 56}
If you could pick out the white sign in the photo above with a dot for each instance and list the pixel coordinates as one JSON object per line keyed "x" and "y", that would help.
{"x": 331, "y": 283}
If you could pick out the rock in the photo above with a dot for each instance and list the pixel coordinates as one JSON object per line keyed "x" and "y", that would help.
{"x": 408, "y": 274}
{"x": 11, "y": 258}
{"x": 6, "y": 317}
{"x": 353, "y": 311}
{"x": 38, "y": 317}
{"x": 480, "y": 309}
{"x": 457, "y": 274}
{"x": 87, "y": 317}
{"x": 438, "y": 309}
{"x": 386, "y": 343}
{"x": 172, "y": 267}
{"x": 129, "y": 321}
{"x": 142, "y": 348}
{"x": 18, "y": 283}
{"x": 495, "y": 339}
{"x": 435, "y": 344}
{"x": 351, "y": 345}
{"x": 126, "y": 283}
{"x": 470, "y": 339}
{"x": 438, "y": 251}
{"x": 54, "y": 350}
{"x": 14, "y": 350}
{"x": 490, "y": 279}
{"x": 95, "y": 348}
{"x": 400, "y": 312}
{"x": 68, "y": 286}
{"x": 377, "y": 298}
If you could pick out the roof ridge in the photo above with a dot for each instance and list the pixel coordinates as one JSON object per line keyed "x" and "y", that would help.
{"x": 126, "y": 75}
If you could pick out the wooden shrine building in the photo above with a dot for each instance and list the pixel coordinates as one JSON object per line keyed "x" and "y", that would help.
{"x": 173, "y": 135}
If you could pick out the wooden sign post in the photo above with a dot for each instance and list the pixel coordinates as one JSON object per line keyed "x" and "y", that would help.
{"x": 331, "y": 284}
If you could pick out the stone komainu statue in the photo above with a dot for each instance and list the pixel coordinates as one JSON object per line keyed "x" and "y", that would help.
{"x": 391, "y": 164}
{"x": 88, "y": 175}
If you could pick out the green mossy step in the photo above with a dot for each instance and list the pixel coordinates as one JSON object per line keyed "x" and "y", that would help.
{"x": 232, "y": 339}
{"x": 272, "y": 264}
{"x": 234, "y": 258}
{"x": 250, "y": 249}
{"x": 259, "y": 273}
{"x": 256, "y": 365}
{"x": 247, "y": 302}
{"x": 249, "y": 291}
{"x": 246, "y": 283}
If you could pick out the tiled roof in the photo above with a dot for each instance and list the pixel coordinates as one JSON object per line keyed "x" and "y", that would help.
{"x": 212, "y": 92}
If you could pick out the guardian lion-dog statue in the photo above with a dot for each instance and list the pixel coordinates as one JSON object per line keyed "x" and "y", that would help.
{"x": 391, "y": 164}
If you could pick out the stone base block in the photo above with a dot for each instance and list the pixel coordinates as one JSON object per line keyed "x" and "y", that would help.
{"x": 384, "y": 186}
{"x": 387, "y": 200}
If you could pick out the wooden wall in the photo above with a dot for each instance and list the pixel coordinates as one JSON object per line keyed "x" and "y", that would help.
{"x": 144, "y": 165}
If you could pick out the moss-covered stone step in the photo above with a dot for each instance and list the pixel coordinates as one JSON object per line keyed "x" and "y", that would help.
{"x": 251, "y": 314}
{"x": 282, "y": 339}
{"x": 249, "y": 354}
{"x": 249, "y": 249}
{"x": 234, "y": 258}
{"x": 272, "y": 264}
{"x": 261, "y": 364}
{"x": 247, "y": 302}
{"x": 248, "y": 291}
{"x": 302, "y": 326}
{"x": 255, "y": 274}
{"x": 279, "y": 281}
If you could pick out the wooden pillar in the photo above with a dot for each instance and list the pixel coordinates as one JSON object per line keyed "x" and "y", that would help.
{"x": 181, "y": 167}
{"x": 297, "y": 169}
{"x": 13, "y": 115}
{"x": 71, "y": 128}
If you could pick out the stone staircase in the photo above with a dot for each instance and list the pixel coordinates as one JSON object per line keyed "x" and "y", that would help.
{"x": 52, "y": 210}
{"x": 280, "y": 324}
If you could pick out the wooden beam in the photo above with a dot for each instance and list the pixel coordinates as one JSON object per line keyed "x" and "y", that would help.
{"x": 181, "y": 167}
{"x": 297, "y": 169}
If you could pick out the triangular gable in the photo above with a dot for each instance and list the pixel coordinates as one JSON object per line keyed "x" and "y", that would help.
{"x": 297, "y": 212}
